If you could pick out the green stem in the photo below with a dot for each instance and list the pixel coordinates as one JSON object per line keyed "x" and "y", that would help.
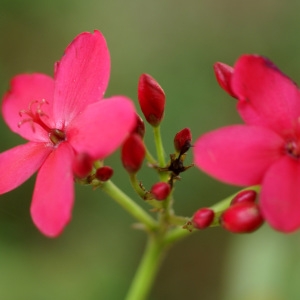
{"x": 150, "y": 158}
{"x": 129, "y": 205}
{"x": 160, "y": 153}
{"x": 159, "y": 147}
{"x": 146, "y": 273}
{"x": 177, "y": 234}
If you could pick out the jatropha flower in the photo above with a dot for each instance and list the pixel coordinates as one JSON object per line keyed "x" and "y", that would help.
{"x": 61, "y": 117}
{"x": 266, "y": 149}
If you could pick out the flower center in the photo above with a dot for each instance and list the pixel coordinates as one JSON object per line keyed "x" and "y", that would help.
{"x": 34, "y": 115}
{"x": 293, "y": 149}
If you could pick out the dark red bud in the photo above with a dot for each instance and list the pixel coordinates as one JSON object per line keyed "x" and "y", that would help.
{"x": 104, "y": 173}
{"x": 160, "y": 190}
{"x": 82, "y": 165}
{"x": 182, "y": 140}
{"x": 152, "y": 99}
{"x": 203, "y": 217}
{"x": 224, "y": 74}
{"x": 244, "y": 196}
{"x": 242, "y": 217}
{"x": 139, "y": 126}
{"x": 133, "y": 153}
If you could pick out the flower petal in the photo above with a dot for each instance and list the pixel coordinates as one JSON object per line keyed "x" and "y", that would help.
{"x": 102, "y": 126}
{"x": 223, "y": 75}
{"x": 53, "y": 193}
{"x": 238, "y": 154}
{"x": 267, "y": 96}
{"x": 280, "y": 195}
{"x": 19, "y": 163}
{"x": 81, "y": 76}
{"x": 25, "y": 89}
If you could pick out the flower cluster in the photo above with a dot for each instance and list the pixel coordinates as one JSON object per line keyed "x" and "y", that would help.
{"x": 70, "y": 129}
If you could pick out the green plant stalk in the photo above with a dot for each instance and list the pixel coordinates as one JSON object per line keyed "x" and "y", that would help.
{"x": 129, "y": 205}
{"x": 160, "y": 153}
{"x": 159, "y": 147}
{"x": 147, "y": 270}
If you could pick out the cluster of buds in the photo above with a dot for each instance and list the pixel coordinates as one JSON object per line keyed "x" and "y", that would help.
{"x": 242, "y": 216}
{"x": 152, "y": 102}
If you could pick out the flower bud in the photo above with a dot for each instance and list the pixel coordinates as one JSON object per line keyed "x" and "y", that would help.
{"x": 223, "y": 74}
{"x": 139, "y": 126}
{"x": 152, "y": 99}
{"x": 182, "y": 140}
{"x": 133, "y": 153}
{"x": 160, "y": 190}
{"x": 104, "y": 173}
{"x": 82, "y": 165}
{"x": 244, "y": 196}
{"x": 203, "y": 217}
{"x": 242, "y": 217}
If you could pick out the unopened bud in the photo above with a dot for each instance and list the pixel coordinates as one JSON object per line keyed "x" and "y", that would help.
{"x": 182, "y": 140}
{"x": 104, "y": 173}
{"x": 160, "y": 190}
{"x": 203, "y": 218}
{"x": 152, "y": 99}
{"x": 223, "y": 74}
{"x": 133, "y": 153}
{"x": 244, "y": 196}
{"x": 82, "y": 165}
{"x": 139, "y": 126}
{"x": 242, "y": 217}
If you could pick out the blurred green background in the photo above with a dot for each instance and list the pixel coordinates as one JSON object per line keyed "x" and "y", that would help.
{"x": 176, "y": 42}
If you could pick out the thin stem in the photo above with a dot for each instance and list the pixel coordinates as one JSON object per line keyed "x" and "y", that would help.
{"x": 159, "y": 147}
{"x": 150, "y": 158}
{"x": 177, "y": 234}
{"x": 137, "y": 186}
{"x": 129, "y": 205}
{"x": 160, "y": 153}
{"x": 146, "y": 273}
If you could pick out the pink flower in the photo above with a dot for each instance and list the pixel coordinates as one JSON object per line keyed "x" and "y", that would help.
{"x": 264, "y": 151}
{"x": 61, "y": 117}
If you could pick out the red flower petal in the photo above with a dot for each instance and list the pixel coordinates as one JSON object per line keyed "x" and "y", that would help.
{"x": 238, "y": 154}
{"x": 102, "y": 126}
{"x": 267, "y": 96}
{"x": 81, "y": 76}
{"x": 53, "y": 193}
{"x": 25, "y": 89}
{"x": 19, "y": 163}
{"x": 280, "y": 195}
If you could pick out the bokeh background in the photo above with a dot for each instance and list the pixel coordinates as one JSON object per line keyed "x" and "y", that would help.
{"x": 177, "y": 42}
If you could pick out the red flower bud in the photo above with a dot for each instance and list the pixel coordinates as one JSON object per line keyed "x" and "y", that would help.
{"x": 244, "y": 196}
{"x": 203, "y": 217}
{"x": 160, "y": 190}
{"x": 139, "y": 126}
{"x": 82, "y": 165}
{"x": 182, "y": 140}
{"x": 133, "y": 153}
{"x": 242, "y": 217}
{"x": 223, "y": 74}
{"x": 152, "y": 99}
{"x": 104, "y": 173}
